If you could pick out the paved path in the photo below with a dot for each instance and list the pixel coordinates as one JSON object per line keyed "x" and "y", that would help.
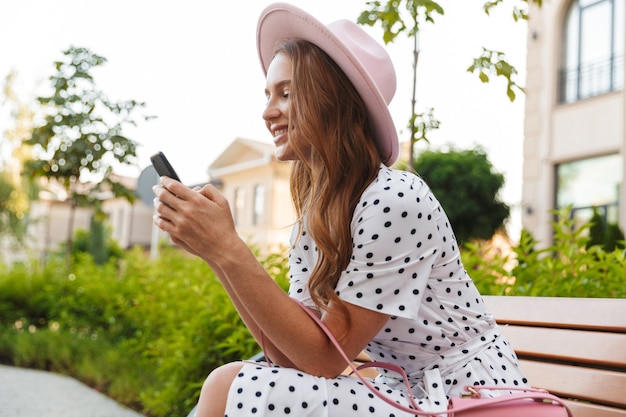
{"x": 30, "y": 393}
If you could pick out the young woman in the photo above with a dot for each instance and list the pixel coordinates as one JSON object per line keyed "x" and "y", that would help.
{"x": 372, "y": 250}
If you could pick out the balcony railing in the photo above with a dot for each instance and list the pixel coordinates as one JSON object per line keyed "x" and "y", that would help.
{"x": 592, "y": 79}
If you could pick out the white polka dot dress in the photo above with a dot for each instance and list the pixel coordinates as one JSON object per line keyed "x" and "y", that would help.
{"x": 406, "y": 264}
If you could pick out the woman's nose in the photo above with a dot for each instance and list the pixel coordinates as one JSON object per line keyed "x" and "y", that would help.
{"x": 271, "y": 111}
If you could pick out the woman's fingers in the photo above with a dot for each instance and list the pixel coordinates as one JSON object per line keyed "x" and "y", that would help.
{"x": 199, "y": 219}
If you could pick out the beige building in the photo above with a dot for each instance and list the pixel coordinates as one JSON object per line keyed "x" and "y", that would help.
{"x": 575, "y": 133}
{"x": 131, "y": 224}
{"x": 257, "y": 187}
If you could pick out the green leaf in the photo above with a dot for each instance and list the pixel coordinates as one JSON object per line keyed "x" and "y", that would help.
{"x": 510, "y": 94}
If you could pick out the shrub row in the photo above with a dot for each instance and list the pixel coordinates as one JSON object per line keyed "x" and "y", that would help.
{"x": 569, "y": 267}
{"x": 146, "y": 332}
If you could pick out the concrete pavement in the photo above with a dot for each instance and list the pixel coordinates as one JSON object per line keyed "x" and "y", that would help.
{"x": 30, "y": 393}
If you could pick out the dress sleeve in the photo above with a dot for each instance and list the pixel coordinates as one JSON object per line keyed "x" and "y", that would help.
{"x": 301, "y": 263}
{"x": 396, "y": 243}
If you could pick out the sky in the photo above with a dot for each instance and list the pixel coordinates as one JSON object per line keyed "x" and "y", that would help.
{"x": 194, "y": 63}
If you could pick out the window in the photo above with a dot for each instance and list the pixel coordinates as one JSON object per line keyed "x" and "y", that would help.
{"x": 259, "y": 203}
{"x": 590, "y": 184}
{"x": 239, "y": 206}
{"x": 593, "y": 49}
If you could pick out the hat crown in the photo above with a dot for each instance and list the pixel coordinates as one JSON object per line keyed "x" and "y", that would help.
{"x": 371, "y": 55}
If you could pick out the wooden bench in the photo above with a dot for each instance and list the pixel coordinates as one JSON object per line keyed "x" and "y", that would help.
{"x": 573, "y": 347}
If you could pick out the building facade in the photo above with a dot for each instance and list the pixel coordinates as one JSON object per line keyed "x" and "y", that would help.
{"x": 575, "y": 133}
{"x": 256, "y": 185}
{"x": 52, "y": 222}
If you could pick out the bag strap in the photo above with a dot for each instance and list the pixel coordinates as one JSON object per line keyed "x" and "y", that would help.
{"x": 528, "y": 393}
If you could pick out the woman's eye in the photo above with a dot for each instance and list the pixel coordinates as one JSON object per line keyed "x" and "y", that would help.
{"x": 286, "y": 94}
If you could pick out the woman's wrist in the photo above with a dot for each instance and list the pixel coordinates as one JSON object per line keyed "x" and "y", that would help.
{"x": 235, "y": 250}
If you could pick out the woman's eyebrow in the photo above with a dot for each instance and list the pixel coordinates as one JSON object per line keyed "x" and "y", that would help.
{"x": 279, "y": 85}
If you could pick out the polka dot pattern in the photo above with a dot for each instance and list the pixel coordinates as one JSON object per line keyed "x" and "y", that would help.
{"x": 405, "y": 263}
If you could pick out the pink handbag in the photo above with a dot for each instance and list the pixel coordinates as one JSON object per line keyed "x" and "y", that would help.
{"x": 529, "y": 402}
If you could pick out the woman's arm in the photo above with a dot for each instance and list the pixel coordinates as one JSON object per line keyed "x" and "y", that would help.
{"x": 201, "y": 222}
{"x": 270, "y": 350}
{"x": 273, "y": 353}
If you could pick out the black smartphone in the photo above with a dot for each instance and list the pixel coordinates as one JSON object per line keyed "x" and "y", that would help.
{"x": 163, "y": 166}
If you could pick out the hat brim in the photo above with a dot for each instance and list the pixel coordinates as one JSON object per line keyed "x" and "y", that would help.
{"x": 281, "y": 21}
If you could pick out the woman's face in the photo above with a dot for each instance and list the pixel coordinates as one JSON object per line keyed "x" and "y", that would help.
{"x": 276, "y": 114}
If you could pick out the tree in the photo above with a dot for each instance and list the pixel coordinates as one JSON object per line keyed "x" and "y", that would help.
{"x": 393, "y": 22}
{"x": 97, "y": 242}
{"x": 81, "y": 139}
{"x": 467, "y": 187}
{"x": 390, "y": 18}
{"x": 16, "y": 191}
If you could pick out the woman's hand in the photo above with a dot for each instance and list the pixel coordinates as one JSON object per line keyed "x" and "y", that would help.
{"x": 197, "y": 220}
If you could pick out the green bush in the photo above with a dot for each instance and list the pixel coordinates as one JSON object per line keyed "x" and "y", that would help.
{"x": 570, "y": 267}
{"x": 608, "y": 235}
{"x": 146, "y": 332}
{"x": 482, "y": 213}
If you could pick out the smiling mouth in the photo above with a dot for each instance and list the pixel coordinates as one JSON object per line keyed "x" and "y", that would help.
{"x": 279, "y": 132}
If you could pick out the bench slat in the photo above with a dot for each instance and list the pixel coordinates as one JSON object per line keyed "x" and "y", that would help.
{"x": 605, "y": 314}
{"x": 604, "y": 387}
{"x": 599, "y": 349}
{"x": 591, "y": 410}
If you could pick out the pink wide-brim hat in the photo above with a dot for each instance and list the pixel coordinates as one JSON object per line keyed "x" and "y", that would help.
{"x": 363, "y": 60}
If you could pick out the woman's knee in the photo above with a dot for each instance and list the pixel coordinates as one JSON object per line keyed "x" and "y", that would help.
{"x": 220, "y": 379}
{"x": 214, "y": 393}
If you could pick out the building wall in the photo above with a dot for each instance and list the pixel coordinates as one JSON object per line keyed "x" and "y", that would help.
{"x": 557, "y": 133}
{"x": 50, "y": 224}
{"x": 131, "y": 224}
{"x": 273, "y": 226}
{"x": 594, "y": 126}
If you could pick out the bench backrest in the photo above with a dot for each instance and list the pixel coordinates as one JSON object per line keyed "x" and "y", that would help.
{"x": 573, "y": 347}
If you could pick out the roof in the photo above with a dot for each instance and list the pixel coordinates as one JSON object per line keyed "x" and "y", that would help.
{"x": 241, "y": 154}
